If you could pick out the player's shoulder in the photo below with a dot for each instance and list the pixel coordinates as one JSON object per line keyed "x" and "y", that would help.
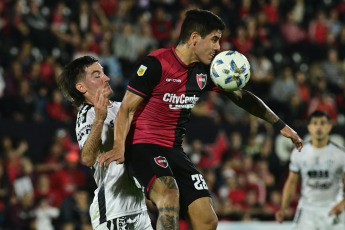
{"x": 336, "y": 147}
{"x": 84, "y": 109}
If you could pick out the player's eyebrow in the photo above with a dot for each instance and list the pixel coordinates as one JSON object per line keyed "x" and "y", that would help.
{"x": 96, "y": 71}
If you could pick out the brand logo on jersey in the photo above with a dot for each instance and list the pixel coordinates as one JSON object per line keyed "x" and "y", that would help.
{"x": 141, "y": 70}
{"x": 161, "y": 161}
{"x": 180, "y": 102}
{"x": 173, "y": 80}
{"x": 201, "y": 80}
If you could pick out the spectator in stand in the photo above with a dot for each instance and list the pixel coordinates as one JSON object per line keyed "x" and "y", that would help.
{"x": 70, "y": 177}
{"x": 19, "y": 30}
{"x": 44, "y": 190}
{"x": 56, "y": 109}
{"x": 242, "y": 43}
{"x": 45, "y": 214}
{"x": 75, "y": 210}
{"x": 293, "y": 34}
{"x": 22, "y": 214}
{"x": 161, "y": 26}
{"x": 261, "y": 74}
{"x": 317, "y": 31}
{"x": 40, "y": 33}
{"x": 281, "y": 89}
{"x": 334, "y": 71}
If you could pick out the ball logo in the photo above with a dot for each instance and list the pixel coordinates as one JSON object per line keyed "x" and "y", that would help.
{"x": 201, "y": 80}
{"x": 161, "y": 161}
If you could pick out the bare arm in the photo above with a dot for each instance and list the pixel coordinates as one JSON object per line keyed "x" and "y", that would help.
{"x": 91, "y": 147}
{"x": 254, "y": 105}
{"x": 339, "y": 208}
{"x": 288, "y": 192}
{"x": 90, "y": 150}
{"x": 124, "y": 118}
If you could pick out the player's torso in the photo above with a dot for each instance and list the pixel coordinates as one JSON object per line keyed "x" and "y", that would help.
{"x": 116, "y": 195}
{"x": 321, "y": 172}
{"x": 163, "y": 116}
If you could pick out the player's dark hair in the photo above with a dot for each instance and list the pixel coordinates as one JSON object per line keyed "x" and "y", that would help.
{"x": 201, "y": 21}
{"x": 69, "y": 77}
{"x": 318, "y": 114}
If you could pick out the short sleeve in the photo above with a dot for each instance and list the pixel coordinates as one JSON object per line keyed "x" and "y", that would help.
{"x": 85, "y": 120}
{"x": 147, "y": 74}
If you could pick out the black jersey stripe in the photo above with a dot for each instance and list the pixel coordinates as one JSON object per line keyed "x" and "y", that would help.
{"x": 101, "y": 205}
{"x": 136, "y": 92}
{"x": 337, "y": 146}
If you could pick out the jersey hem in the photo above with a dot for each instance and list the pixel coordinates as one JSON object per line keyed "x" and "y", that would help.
{"x": 95, "y": 224}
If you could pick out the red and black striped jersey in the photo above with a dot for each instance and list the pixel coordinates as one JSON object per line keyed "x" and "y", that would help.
{"x": 170, "y": 90}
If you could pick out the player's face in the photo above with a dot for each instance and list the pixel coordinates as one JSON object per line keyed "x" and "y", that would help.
{"x": 95, "y": 79}
{"x": 319, "y": 128}
{"x": 206, "y": 48}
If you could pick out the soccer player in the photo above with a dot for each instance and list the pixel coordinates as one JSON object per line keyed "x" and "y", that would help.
{"x": 321, "y": 167}
{"x": 153, "y": 117}
{"x": 118, "y": 203}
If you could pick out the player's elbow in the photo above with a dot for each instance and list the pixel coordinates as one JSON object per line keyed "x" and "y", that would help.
{"x": 88, "y": 161}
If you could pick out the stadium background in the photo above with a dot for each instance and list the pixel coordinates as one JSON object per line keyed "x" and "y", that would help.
{"x": 296, "y": 49}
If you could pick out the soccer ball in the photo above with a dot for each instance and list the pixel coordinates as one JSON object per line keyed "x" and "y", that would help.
{"x": 230, "y": 70}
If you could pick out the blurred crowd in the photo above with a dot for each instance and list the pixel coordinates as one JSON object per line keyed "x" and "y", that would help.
{"x": 296, "y": 49}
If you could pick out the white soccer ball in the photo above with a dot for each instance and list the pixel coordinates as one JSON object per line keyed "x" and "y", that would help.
{"x": 230, "y": 70}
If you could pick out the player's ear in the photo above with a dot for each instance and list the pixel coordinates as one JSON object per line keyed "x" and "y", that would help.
{"x": 194, "y": 37}
{"x": 80, "y": 87}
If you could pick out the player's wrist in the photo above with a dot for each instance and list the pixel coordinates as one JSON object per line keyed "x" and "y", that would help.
{"x": 279, "y": 125}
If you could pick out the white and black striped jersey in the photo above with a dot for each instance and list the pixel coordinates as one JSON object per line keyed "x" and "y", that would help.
{"x": 116, "y": 195}
{"x": 321, "y": 172}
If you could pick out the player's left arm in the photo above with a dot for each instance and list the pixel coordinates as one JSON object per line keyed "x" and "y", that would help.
{"x": 254, "y": 105}
{"x": 339, "y": 208}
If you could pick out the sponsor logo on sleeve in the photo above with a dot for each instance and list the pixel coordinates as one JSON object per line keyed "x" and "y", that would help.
{"x": 141, "y": 70}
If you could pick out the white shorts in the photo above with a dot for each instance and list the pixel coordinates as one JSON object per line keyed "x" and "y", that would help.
{"x": 318, "y": 219}
{"x": 140, "y": 221}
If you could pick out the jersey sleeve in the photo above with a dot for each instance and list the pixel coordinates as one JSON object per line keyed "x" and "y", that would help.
{"x": 147, "y": 75}
{"x": 294, "y": 162}
{"x": 85, "y": 119}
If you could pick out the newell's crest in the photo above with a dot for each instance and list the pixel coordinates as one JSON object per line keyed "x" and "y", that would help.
{"x": 141, "y": 70}
{"x": 201, "y": 80}
{"x": 161, "y": 161}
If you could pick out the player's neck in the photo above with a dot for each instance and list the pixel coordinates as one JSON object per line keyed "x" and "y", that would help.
{"x": 319, "y": 143}
{"x": 185, "y": 52}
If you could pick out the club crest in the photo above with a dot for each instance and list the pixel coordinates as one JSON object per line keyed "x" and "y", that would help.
{"x": 161, "y": 161}
{"x": 201, "y": 80}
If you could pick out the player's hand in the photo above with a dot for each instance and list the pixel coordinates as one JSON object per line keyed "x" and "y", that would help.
{"x": 337, "y": 209}
{"x": 100, "y": 103}
{"x": 280, "y": 216}
{"x": 290, "y": 133}
{"x": 116, "y": 154}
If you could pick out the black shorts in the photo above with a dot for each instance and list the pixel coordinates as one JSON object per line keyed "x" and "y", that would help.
{"x": 146, "y": 162}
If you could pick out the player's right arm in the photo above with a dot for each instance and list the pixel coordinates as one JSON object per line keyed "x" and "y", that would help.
{"x": 91, "y": 146}
{"x": 288, "y": 193}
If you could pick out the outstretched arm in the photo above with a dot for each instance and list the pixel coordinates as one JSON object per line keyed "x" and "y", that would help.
{"x": 258, "y": 108}
{"x": 288, "y": 192}
{"x": 124, "y": 118}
